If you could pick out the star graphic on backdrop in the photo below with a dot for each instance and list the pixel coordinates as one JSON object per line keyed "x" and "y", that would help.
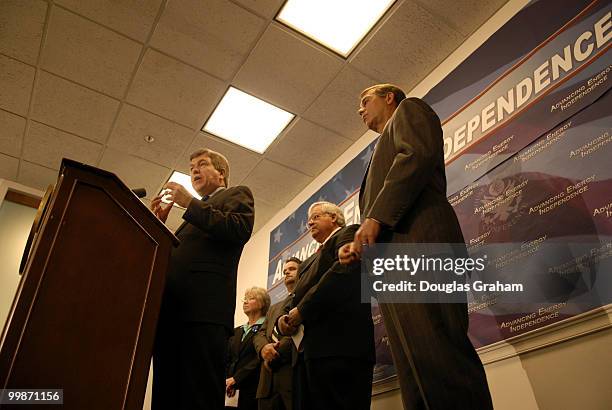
{"x": 292, "y": 216}
{"x": 303, "y": 227}
{"x": 277, "y": 235}
{"x": 348, "y": 192}
{"x": 338, "y": 177}
{"x": 366, "y": 157}
{"x": 321, "y": 198}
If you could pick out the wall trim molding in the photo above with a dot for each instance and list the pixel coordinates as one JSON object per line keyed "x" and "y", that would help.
{"x": 583, "y": 324}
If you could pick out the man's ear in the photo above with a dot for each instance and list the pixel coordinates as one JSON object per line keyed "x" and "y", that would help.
{"x": 390, "y": 98}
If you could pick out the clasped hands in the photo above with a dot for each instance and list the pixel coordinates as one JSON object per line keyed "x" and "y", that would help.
{"x": 365, "y": 236}
{"x": 288, "y": 324}
{"x": 177, "y": 194}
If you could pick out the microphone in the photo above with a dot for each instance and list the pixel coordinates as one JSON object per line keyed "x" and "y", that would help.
{"x": 140, "y": 192}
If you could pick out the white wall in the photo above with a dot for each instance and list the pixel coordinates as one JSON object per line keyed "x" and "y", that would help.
{"x": 15, "y": 223}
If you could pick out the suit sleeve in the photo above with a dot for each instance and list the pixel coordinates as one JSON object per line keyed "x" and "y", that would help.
{"x": 332, "y": 289}
{"x": 260, "y": 339}
{"x": 231, "y": 220}
{"x": 245, "y": 370}
{"x": 417, "y": 140}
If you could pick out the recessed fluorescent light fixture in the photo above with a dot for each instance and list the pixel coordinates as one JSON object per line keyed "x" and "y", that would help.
{"x": 336, "y": 24}
{"x": 247, "y": 121}
{"x": 184, "y": 180}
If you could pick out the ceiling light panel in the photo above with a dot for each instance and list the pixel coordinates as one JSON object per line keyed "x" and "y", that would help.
{"x": 247, "y": 121}
{"x": 339, "y": 24}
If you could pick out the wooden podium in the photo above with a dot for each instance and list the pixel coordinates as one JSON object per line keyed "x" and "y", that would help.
{"x": 84, "y": 316}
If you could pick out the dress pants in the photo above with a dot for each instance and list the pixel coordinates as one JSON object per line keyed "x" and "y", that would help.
{"x": 437, "y": 365}
{"x": 189, "y": 366}
{"x": 339, "y": 383}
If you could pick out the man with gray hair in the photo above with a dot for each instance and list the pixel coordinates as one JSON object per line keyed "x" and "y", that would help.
{"x": 403, "y": 200}
{"x": 338, "y": 343}
{"x": 197, "y": 314}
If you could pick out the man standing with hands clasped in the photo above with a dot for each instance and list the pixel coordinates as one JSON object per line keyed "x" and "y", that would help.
{"x": 338, "y": 342}
{"x": 197, "y": 313}
{"x": 276, "y": 377}
{"x": 403, "y": 200}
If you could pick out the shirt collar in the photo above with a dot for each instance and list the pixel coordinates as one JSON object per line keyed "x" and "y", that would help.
{"x": 247, "y": 328}
{"x": 330, "y": 235}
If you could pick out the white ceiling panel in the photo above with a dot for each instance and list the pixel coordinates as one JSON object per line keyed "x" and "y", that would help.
{"x": 215, "y": 35}
{"x": 175, "y": 90}
{"x": 8, "y": 167}
{"x": 275, "y": 183}
{"x": 407, "y": 47}
{"x": 241, "y": 160}
{"x": 134, "y": 18}
{"x": 134, "y": 124}
{"x": 21, "y": 28}
{"x": 88, "y": 53}
{"x": 135, "y": 172}
{"x": 16, "y": 79}
{"x": 308, "y": 148}
{"x": 450, "y": 12}
{"x": 73, "y": 108}
{"x": 175, "y": 218}
{"x": 263, "y": 212}
{"x": 11, "y": 133}
{"x": 336, "y": 107}
{"x": 36, "y": 176}
{"x": 287, "y": 71}
{"x": 47, "y": 146}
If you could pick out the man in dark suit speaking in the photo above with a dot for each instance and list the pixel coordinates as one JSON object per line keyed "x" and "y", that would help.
{"x": 197, "y": 313}
{"x": 403, "y": 200}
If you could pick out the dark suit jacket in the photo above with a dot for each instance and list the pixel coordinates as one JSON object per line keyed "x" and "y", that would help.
{"x": 405, "y": 184}
{"x": 201, "y": 280}
{"x": 280, "y": 379}
{"x": 328, "y": 297}
{"x": 243, "y": 363}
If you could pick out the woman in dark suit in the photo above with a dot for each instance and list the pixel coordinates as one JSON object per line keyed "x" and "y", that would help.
{"x": 244, "y": 364}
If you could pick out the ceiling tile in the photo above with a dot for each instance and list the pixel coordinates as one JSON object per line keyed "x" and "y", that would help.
{"x": 308, "y": 148}
{"x": 175, "y": 90}
{"x": 336, "y": 107}
{"x": 241, "y": 160}
{"x": 275, "y": 183}
{"x": 133, "y": 18}
{"x": 73, "y": 108}
{"x": 21, "y": 27}
{"x": 406, "y": 58}
{"x": 11, "y": 136}
{"x": 263, "y": 212}
{"x": 465, "y": 16}
{"x": 215, "y": 35}
{"x": 286, "y": 70}
{"x": 175, "y": 218}
{"x": 133, "y": 124}
{"x": 36, "y": 176}
{"x": 135, "y": 172}
{"x": 88, "y": 53}
{"x": 8, "y": 167}
{"x": 47, "y": 146}
{"x": 267, "y": 8}
{"x": 16, "y": 81}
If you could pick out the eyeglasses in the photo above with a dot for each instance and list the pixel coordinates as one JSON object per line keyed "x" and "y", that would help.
{"x": 315, "y": 217}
